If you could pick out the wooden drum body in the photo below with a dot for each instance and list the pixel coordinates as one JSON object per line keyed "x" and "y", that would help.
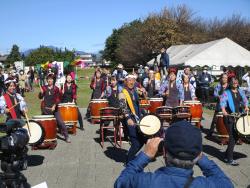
{"x": 69, "y": 115}
{"x": 195, "y": 110}
{"x": 182, "y": 112}
{"x": 95, "y": 106}
{"x": 221, "y": 128}
{"x": 165, "y": 113}
{"x": 48, "y": 122}
{"x": 154, "y": 104}
{"x": 145, "y": 104}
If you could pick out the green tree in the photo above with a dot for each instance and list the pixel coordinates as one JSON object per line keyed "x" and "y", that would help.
{"x": 14, "y": 55}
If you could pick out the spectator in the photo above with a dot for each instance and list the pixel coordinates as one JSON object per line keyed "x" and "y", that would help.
{"x": 164, "y": 62}
{"x": 204, "y": 80}
{"x": 31, "y": 77}
{"x": 181, "y": 156}
{"x": 246, "y": 78}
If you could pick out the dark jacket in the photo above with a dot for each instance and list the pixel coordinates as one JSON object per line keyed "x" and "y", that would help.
{"x": 204, "y": 79}
{"x": 133, "y": 175}
{"x": 164, "y": 60}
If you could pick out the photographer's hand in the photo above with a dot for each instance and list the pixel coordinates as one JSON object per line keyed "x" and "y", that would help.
{"x": 151, "y": 147}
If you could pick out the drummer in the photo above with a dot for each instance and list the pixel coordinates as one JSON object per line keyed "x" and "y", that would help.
{"x": 51, "y": 97}
{"x": 97, "y": 85}
{"x": 112, "y": 93}
{"x": 150, "y": 84}
{"x": 12, "y": 103}
{"x": 188, "y": 88}
{"x": 69, "y": 94}
{"x": 129, "y": 104}
{"x": 233, "y": 100}
{"x": 218, "y": 90}
{"x": 172, "y": 90}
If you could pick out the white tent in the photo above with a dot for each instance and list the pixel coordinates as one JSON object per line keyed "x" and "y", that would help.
{"x": 223, "y": 52}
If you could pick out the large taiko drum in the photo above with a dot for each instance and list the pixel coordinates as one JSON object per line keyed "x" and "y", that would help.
{"x": 154, "y": 104}
{"x": 195, "y": 110}
{"x": 68, "y": 112}
{"x": 221, "y": 128}
{"x": 96, "y": 105}
{"x": 49, "y": 125}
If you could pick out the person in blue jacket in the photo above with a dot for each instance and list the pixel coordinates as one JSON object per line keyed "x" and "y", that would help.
{"x": 183, "y": 145}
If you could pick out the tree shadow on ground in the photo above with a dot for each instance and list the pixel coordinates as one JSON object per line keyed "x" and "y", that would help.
{"x": 215, "y": 152}
{"x": 116, "y": 154}
{"x": 35, "y": 160}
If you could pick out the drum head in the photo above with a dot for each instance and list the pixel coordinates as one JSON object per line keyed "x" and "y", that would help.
{"x": 43, "y": 117}
{"x": 243, "y": 125}
{"x": 35, "y": 132}
{"x": 67, "y": 104}
{"x": 152, "y": 125}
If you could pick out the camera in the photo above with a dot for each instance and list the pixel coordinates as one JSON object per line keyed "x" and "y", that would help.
{"x": 13, "y": 147}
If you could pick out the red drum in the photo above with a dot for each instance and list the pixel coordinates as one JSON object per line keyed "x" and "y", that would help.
{"x": 155, "y": 103}
{"x": 221, "y": 128}
{"x": 195, "y": 110}
{"x": 68, "y": 112}
{"x": 144, "y": 103}
{"x": 182, "y": 112}
{"x": 48, "y": 122}
{"x": 95, "y": 106}
{"x": 165, "y": 113}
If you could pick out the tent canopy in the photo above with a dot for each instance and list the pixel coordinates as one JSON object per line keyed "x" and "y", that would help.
{"x": 222, "y": 52}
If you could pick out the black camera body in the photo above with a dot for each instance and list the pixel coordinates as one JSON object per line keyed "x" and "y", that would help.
{"x": 13, "y": 147}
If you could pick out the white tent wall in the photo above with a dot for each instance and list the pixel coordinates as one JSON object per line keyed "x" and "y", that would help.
{"x": 222, "y": 52}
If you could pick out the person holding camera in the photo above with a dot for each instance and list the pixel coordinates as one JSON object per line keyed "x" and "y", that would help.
{"x": 12, "y": 103}
{"x": 183, "y": 145}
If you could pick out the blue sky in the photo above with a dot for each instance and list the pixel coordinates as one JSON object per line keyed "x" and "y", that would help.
{"x": 85, "y": 24}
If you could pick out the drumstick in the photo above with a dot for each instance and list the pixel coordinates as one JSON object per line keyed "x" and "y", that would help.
{"x": 247, "y": 119}
{"x": 14, "y": 106}
{"x": 28, "y": 124}
{"x": 141, "y": 125}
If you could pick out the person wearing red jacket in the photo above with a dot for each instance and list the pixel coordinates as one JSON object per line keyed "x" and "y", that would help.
{"x": 51, "y": 97}
{"x": 69, "y": 95}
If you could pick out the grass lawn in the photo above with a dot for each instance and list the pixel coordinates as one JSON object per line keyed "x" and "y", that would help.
{"x": 83, "y": 94}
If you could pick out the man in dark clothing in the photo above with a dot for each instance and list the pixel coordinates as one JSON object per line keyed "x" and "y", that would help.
{"x": 204, "y": 81}
{"x": 164, "y": 62}
{"x": 182, "y": 154}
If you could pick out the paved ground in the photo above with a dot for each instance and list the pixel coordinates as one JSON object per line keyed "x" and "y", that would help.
{"x": 83, "y": 163}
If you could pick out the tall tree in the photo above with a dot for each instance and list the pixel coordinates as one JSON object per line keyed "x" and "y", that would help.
{"x": 14, "y": 55}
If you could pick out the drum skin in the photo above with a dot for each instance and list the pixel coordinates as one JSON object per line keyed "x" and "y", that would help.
{"x": 49, "y": 125}
{"x": 155, "y": 103}
{"x": 96, "y": 105}
{"x": 195, "y": 110}
{"x": 68, "y": 112}
{"x": 220, "y": 126}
